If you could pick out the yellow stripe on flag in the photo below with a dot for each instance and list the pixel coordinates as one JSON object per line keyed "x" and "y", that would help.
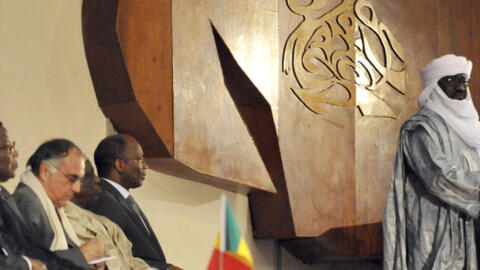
{"x": 243, "y": 251}
{"x": 217, "y": 242}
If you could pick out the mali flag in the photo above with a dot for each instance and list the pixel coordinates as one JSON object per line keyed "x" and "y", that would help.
{"x": 231, "y": 251}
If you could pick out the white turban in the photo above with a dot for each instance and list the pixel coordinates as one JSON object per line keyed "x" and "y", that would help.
{"x": 460, "y": 115}
{"x": 446, "y": 65}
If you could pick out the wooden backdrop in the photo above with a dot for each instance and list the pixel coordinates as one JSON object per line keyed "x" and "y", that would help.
{"x": 201, "y": 85}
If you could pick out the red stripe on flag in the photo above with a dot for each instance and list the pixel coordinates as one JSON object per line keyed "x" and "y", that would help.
{"x": 214, "y": 263}
{"x": 230, "y": 262}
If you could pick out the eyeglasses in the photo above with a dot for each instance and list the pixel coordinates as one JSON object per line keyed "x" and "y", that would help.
{"x": 71, "y": 178}
{"x": 457, "y": 80}
{"x": 10, "y": 147}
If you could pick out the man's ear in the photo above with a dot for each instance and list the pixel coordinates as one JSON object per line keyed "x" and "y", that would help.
{"x": 44, "y": 172}
{"x": 118, "y": 165}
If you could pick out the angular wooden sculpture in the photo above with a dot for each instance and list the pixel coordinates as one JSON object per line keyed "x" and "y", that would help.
{"x": 129, "y": 51}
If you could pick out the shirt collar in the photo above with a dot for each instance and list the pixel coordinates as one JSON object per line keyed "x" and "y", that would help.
{"x": 118, "y": 187}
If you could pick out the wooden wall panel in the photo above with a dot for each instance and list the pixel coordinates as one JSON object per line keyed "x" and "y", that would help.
{"x": 113, "y": 87}
{"x": 474, "y": 52}
{"x": 321, "y": 189}
{"x": 144, "y": 31}
{"x": 425, "y": 29}
{"x": 199, "y": 83}
{"x": 210, "y": 134}
{"x": 376, "y": 138}
{"x": 157, "y": 76}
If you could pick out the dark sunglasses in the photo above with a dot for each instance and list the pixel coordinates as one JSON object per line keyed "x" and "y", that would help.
{"x": 456, "y": 80}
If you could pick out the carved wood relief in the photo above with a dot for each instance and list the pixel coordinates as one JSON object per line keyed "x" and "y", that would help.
{"x": 319, "y": 53}
{"x": 379, "y": 62}
{"x": 343, "y": 57}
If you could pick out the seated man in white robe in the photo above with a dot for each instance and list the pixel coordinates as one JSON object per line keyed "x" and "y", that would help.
{"x": 434, "y": 196}
{"x": 55, "y": 170}
{"x": 88, "y": 225}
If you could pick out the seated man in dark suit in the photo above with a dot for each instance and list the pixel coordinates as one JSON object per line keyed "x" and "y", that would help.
{"x": 55, "y": 170}
{"x": 15, "y": 243}
{"x": 88, "y": 225}
{"x": 120, "y": 163}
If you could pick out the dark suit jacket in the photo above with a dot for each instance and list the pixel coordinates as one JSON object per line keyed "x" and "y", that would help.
{"x": 15, "y": 239}
{"x": 112, "y": 205}
{"x": 36, "y": 221}
{"x": 10, "y": 254}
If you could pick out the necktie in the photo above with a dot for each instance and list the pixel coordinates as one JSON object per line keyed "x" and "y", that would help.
{"x": 134, "y": 206}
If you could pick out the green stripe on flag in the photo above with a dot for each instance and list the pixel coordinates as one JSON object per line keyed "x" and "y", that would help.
{"x": 232, "y": 230}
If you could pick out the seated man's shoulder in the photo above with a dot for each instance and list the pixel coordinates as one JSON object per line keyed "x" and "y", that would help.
{"x": 33, "y": 214}
{"x": 22, "y": 189}
{"x": 107, "y": 209}
{"x": 105, "y": 198}
{"x": 26, "y": 199}
{"x": 29, "y": 205}
{"x": 105, "y": 204}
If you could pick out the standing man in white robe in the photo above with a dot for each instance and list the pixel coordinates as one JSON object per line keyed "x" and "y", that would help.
{"x": 435, "y": 191}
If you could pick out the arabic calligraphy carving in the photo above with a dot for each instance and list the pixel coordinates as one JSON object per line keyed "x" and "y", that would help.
{"x": 344, "y": 57}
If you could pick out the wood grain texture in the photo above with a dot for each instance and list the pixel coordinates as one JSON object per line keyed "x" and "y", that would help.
{"x": 110, "y": 77}
{"x": 144, "y": 30}
{"x": 426, "y": 30}
{"x": 174, "y": 101}
{"x": 228, "y": 117}
{"x": 212, "y": 103}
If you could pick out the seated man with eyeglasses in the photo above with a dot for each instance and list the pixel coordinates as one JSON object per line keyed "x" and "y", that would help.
{"x": 434, "y": 196}
{"x": 44, "y": 189}
{"x": 18, "y": 249}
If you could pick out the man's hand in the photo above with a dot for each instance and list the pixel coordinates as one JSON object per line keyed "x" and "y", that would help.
{"x": 173, "y": 267}
{"x": 37, "y": 265}
{"x": 93, "y": 249}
